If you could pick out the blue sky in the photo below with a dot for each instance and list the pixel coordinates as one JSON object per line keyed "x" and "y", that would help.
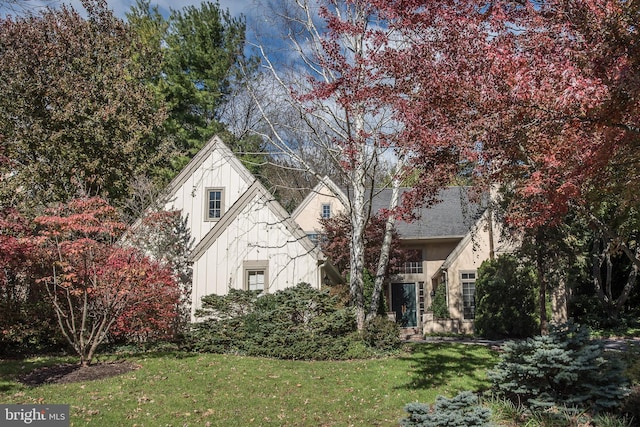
{"x": 236, "y": 7}
{"x": 120, "y": 7}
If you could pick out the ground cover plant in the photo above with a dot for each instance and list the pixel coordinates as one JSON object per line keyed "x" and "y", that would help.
{"x": 223, "y": 390}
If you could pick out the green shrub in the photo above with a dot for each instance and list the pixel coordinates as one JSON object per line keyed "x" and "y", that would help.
{"x": 296, "y": 323}
{"x": 382, "y": 334}
{"x": 563, "y": 369}
{"x": 461, "y": 411}
{"x": 505, "y": 297}
{"x": 439, "y": 303}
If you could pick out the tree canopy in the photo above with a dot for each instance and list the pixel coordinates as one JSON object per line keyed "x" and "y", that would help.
{"x": 75, "y": 115}
{"x": 199, "y": 52}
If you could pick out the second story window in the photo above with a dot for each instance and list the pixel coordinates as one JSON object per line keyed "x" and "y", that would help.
{"x": 325, "y": 211}
{"x": 214, "y": 204}
{"x": 413, "y": 264}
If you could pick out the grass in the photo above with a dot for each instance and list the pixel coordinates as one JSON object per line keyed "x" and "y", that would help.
{"x": 180, "y": 389}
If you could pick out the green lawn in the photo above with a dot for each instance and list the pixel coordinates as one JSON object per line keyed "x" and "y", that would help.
{"x": 220, "y": 390}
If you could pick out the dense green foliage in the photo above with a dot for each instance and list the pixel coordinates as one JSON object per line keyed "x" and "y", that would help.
{"x": 199, "y": 57}
{"x": 295, "y": 323}
{"x": 382, "y": 333}
{"x": 439, "y": 304}
{"x": 75, "y": 114}
{"x": 505, "y": 299}
{"x": 462, "y": 410}
{"x": 564, "y": 368}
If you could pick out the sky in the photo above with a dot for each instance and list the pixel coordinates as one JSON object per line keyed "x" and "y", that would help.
{"x": 235, "y": 7}
{"x": 120, "y": 7}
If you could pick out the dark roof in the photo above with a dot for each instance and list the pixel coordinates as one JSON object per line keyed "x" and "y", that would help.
{"x": 453, "y": 216}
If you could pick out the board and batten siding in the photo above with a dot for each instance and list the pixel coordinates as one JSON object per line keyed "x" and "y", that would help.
{"x": 253, "y": 230}
{"x": 215, "y": 172}
{"x": 256, "y": 233}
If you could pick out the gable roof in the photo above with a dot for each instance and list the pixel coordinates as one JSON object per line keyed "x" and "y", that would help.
{"x": 255, "y": 191}
{"x": 460, "y": 247}
{"x": 452, "y": 216}
{"x": 322, "y": 187}
{"x": 215, "y": 143}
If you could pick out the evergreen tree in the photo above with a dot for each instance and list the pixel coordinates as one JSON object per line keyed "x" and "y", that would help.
{"x": 201, "y": 53}
{"x": 462, "y": 410}
{"x": 505, "y": 296}
{"x": 564, "y": 368}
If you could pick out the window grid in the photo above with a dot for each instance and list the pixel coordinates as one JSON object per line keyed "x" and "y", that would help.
{"x": 325, "y": 212}
{"x": 255, "y": 280}
{"x": 412, "y": 267}
{"x": 468, "y": 281}
{"x": 214, "y": 204}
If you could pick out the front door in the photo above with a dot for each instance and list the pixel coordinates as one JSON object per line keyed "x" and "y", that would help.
{"x": 403, "y": 303}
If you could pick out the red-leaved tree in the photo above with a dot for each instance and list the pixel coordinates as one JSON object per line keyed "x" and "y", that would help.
{"x": 336, "y": 231}
{"x": 567, "y": 134}
{"x": 540, "y": 95}
{"x": 97, "y": 286}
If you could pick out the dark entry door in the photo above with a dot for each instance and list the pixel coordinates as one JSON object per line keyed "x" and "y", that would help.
{"x": 403, "y": 303}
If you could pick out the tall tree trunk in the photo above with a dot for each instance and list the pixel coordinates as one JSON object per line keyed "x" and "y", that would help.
{"x": 602, "y": 256}
{"x": 542, "y": 282}
{"x": 359, "y": 220}
{"x": 628, "y": 287}
{"x": 597, "y": 259}
{"x": 383, "y": 260}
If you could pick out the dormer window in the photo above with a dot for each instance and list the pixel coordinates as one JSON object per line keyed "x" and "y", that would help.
{"x": 325, "y": 212}
{"x": 214, "y": 204}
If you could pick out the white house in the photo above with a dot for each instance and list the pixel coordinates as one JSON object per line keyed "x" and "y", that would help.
{"x": 243, "y": 238}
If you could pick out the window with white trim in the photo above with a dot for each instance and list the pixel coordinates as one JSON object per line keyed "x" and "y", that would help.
{"x": 256, "y": 275}
{"x": 325, "y": 211}
{"x": 214, "y": 200}
{"x": 468, "y": 283}
{"x": 413, "y": 264}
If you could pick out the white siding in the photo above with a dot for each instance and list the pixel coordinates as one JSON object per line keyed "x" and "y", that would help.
{"x": 216, "y": 171}
{"x": 256, "y": 234}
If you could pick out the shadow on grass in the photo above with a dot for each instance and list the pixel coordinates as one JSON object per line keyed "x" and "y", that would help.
{"x": 13, "y": 370}
{"x": 437, "y": 364}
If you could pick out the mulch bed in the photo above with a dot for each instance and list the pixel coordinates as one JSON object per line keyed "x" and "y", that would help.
{"x": 70, "y": 373}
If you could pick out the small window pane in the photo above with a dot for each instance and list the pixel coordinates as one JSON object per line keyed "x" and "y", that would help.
{"x": 215, "y": 204}
{"x": 326, "y": 211}
{"x": 255, "y": 280}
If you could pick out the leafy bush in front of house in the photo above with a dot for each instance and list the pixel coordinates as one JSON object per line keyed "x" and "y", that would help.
{"x": 462, "y": 410}
{"x": 439, "y": 303}
{"x": 505, "y": 299}
{"x": 296, "y": 323}
{"x": 382, "y": 334}
{"x": 563, "y": 369}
